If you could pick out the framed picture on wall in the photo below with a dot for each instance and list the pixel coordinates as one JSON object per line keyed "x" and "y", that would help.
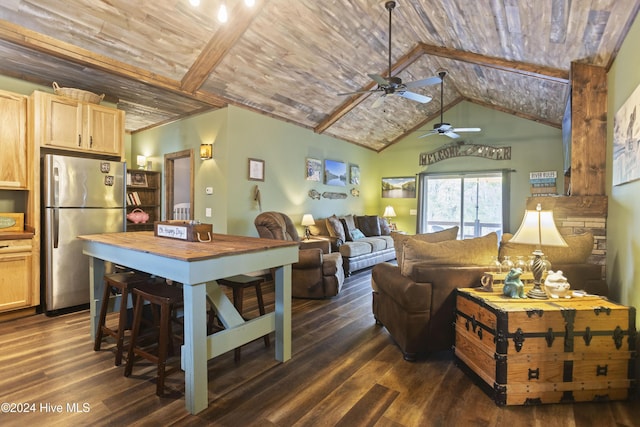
{"x": 626, "y": 133}
{"x": 335, "y": 173}
{"x": 401, "y": 187}
{"x": 354, "y": 174}
{"x": 256, "y": 170}
{"x": 313, "y": 169}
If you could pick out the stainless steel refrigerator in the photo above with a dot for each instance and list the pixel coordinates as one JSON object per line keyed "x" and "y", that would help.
{"x": 80, "y": 196}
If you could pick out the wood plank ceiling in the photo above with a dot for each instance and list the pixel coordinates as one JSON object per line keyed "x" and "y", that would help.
{"x": 163, "y": 60}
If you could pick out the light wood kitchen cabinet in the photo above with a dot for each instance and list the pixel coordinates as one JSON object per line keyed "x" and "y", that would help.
{"x": 16, "y": 275}
{"x": 69, "y": 124}
{"x": 13, "y": 141}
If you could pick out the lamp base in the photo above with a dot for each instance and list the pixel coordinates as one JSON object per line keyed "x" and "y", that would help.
{"x": 537, "y": 269}
{"x": 537, "y": 293}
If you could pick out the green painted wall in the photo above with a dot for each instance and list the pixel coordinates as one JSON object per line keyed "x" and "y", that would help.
{"x": 623, "y": 227}
{"x": 237, "y": 135}
{"x": 534, "y": 147}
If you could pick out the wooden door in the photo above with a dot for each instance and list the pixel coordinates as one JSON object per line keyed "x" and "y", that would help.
{"x": 13, "y": 139}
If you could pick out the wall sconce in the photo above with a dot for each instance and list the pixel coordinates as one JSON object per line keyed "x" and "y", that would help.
{"x": 206, "y": 151}
{"x": 141, "y": 161}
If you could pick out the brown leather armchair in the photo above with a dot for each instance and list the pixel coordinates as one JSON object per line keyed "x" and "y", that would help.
{"x": 318, "y": 272}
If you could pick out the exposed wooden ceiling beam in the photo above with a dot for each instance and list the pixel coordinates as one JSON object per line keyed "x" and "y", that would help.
{"x": 218, "y": 46}
{"x": 530, "y": 70}
{"x": 353, "y": 101}
{"x": 48, "y": 45}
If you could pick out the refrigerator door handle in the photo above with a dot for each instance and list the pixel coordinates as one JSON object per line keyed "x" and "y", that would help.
{"x": 55, "y": 227}
{"x": 56, "y": 186}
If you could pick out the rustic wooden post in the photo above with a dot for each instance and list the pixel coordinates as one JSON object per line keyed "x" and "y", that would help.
{"x": 588, "y": 129}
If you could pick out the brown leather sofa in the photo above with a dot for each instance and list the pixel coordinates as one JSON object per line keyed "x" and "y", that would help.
{"x": 417, "y": 305}
{"x": 318, "y": 272}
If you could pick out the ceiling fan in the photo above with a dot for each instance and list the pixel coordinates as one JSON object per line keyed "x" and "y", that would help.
{"x": 393, "y": 85}
{"x": 443, "y": 128}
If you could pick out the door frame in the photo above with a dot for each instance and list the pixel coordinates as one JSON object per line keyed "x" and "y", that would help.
{"x": 169, "y": 173}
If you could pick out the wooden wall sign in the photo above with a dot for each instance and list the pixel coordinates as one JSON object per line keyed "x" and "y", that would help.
{"x": 457, "y": 149}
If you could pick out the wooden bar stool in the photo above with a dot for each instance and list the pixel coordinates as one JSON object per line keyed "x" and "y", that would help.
{"x": 121, "y": 283}
{"x": 165, "y": 297}
{"x": 238, "y": 284}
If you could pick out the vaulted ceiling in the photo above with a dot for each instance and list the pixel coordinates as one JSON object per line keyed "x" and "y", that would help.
{"x": 164, "y": 60}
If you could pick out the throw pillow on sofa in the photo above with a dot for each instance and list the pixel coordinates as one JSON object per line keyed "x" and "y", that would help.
{"x": 357, "y": 234}
{"x": 435, "y": 237}
{"x": 335, "y": 228}
{"x": 349, "y": 224}
{"x": 385, "y": 230}
{"x": 369, "y": 225}
{"x": 476, "y": 251}
{"x": 579, "y": 249}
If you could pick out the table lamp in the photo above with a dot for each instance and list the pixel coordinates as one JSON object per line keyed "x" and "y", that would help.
{"x": 538, "y": 228}
{"x": 389, "y": 213}
{"x": 307, "y": 220}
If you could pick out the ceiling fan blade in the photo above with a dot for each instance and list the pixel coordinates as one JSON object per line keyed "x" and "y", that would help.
{"x": 467, "y": 130}
{"x": 451, "y": 134}
{"x": 431, "y": 132}
{"x": 378, "y": 102}
{"x": 414, "y": 96}
{"x": 379, "y": 79}
{"x": 424, "y": 82}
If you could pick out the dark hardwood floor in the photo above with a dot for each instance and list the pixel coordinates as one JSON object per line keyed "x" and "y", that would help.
{"x": 345, "y": 371}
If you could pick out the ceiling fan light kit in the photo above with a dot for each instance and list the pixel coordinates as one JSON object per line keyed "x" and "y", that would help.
{"x": 393, "y": 85}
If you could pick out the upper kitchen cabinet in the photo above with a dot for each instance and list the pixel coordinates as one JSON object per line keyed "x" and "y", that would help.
{"x": 13, "y": 141}
{"x": 68, "y": 124}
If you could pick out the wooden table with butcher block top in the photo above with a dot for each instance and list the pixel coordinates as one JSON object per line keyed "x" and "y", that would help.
{"x": 530, "y": 351}
{"x": 197, "y": 265}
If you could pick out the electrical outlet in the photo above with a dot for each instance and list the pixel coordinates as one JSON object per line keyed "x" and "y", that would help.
{"x": 208, "y": 190}
{"x": 413, "y": 212}
{"x": 207, "y": 212}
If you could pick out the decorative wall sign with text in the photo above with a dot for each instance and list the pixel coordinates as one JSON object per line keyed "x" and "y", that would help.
{"x": 456, "y": 149}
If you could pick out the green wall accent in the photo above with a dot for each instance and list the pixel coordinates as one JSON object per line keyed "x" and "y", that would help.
{"x": 534, "y": 147}
{"x": 623, "y": 227}
{"x": 237, "y": 135}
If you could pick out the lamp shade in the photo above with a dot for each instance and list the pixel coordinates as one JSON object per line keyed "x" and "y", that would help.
{"x": 538, "y": 228}
{"x": 389, "y": 212}
{"x": 206, "y": 151}
{"x": 307, "y": 220}
{"x": 141, "y": 161}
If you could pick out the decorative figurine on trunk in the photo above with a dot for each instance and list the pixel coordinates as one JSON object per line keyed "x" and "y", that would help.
{"x": 557, "y": 285}
{"x": 513, "y": 286}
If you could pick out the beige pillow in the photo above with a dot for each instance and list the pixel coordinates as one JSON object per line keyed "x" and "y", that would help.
{"x": 477, "y": 251}
{"x": 579, "y": 249}
{"x": 349, "y": 224}
{"x": 335, "y": 228}
{"x": 435, "y": 237}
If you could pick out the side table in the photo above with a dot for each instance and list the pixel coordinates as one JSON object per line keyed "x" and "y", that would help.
{"x": 526, "y": 351}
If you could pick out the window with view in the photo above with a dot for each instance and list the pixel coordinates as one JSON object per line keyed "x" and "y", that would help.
{"x": 477, "y": 202}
